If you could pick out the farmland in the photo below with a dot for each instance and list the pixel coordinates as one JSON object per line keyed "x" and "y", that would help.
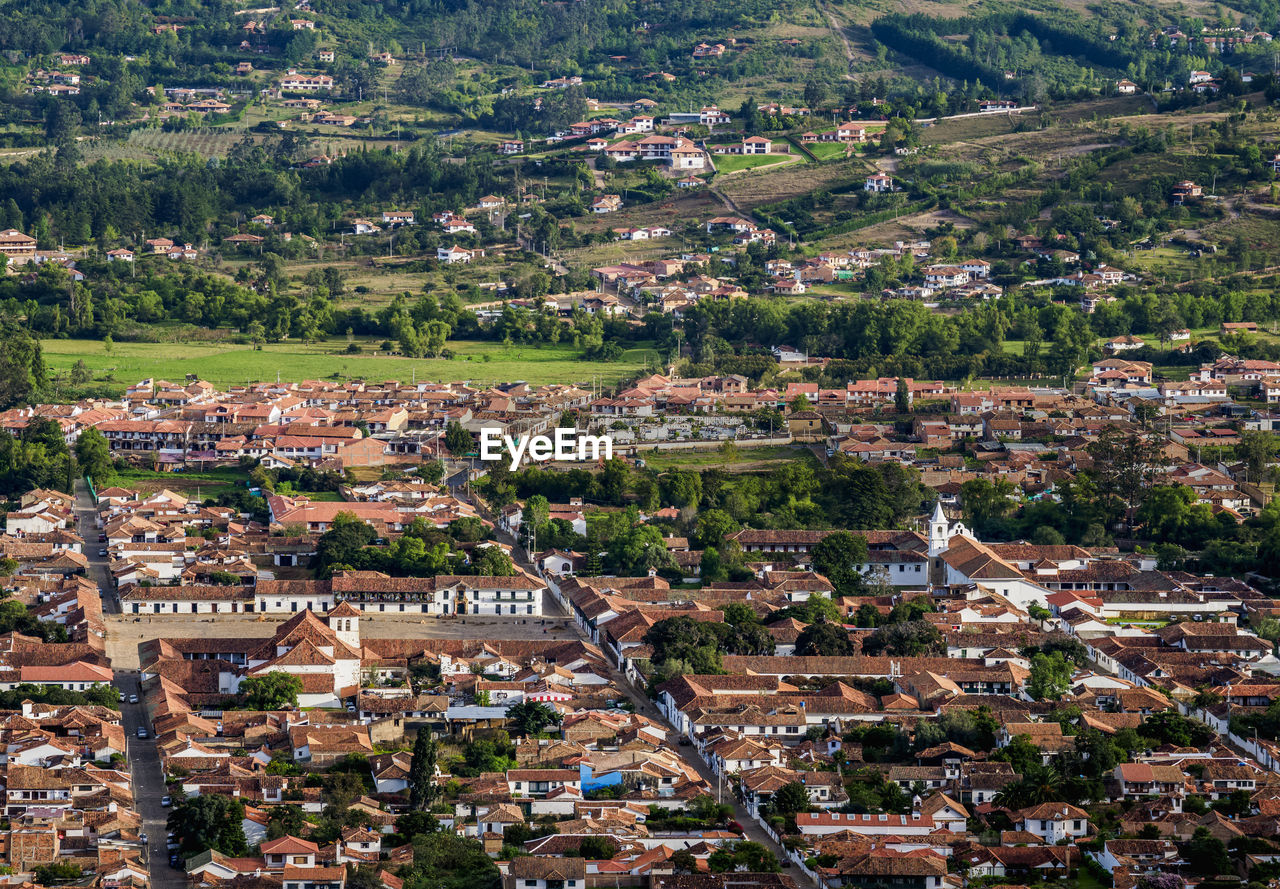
{"x": 223, "y": 364}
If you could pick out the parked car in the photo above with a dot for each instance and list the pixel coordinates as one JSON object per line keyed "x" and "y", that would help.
{"x": 133, "y": 699}
{"x": 175, "y": 861}
{"x": 102, "y": 553}
{"x": 142, "y": 733}
{"x": 167, "y": 801}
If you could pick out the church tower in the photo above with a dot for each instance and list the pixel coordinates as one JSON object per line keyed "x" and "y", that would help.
{"x": 344, "y": 620}
{"x": 939, "y": 531}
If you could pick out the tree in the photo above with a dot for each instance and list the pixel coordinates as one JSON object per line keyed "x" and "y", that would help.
{"x": 209, "y": 821}
{"x": 745, "y": 854}
{"x": 537, "y": 511}
{"x": 22, "y": 371}
{"x": 902, "y": 397}
{"x": 1125, "y": 467}
{"x": 57, "y": 873}
{"x": 913, "y": 638}
{"x": 285, "y": 821}
{"x": 597, "y": 847}
{"x": 423, "y": 789}
{"x": 80, "y": 373}
{"x": 790, "y": 798}
{"x": 1256, "y": 449}
{"x": 815, "y": 93}
{"x": 490, "y": 561}
{"x": 1207, "y": 854}
{"x": 94, "y": 455}
{"x": 837, "y": 556}
{"x": 1050, "y": 676}
{"x": 684, "y": 862}
{"x": 457, "y": 439}
{"x": 272, "y": 691}
{"x": 824, "y": 640}
{"x": 444, "y": 860}
{"x": 530, "y": 717}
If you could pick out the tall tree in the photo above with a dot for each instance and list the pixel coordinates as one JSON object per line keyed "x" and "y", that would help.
{"x": 422, "y": 769}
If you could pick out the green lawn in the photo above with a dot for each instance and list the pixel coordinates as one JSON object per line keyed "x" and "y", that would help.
{"x": 825, "y": 151}
{"x": 732, "y": 163}
{"x": 482, "y": 363}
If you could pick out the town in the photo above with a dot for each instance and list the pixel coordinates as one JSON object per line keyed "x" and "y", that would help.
{"x": 630, "y": 445}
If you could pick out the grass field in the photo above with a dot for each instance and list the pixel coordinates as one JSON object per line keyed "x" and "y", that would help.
{"x": 745, "y": 459}
{"x": 209, "y": 483}
{"x": 482, "y": 363}
{"x": 825, "y": 151}
{"x": 732, "y": 163}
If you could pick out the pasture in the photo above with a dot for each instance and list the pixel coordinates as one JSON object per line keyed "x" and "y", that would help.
{"x": 224, "y": 364}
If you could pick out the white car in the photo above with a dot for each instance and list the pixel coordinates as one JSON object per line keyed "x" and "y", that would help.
{"x": 133, "y": 699}
{"x": 166, "y": 802}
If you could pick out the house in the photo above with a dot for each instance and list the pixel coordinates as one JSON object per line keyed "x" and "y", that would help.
{"x": 121, "y": 254}
{"x": 397, "y": 217}
{"x": 1231, "y": 327}
{"x": 1185, "y": 191}
{"x": 878, "y": 182}
{"x": 14, "y": 244}
{"x": 756, "y": 145}
{"x": 848, "y": 133}
{"x": 456, "y": 254}
{"x": 1123, "y": 344}
{"x": 1197, "y": 77}
{"x": 1053, "y": 822}
{"x": 305, "y": 83}
{"x": 1126, "y": 87}
{"x": 511, "y": 146}
{"x": 534, "y": 872}
{"x": 606, "y": 203}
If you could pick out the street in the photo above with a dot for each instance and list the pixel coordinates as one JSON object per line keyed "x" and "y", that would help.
{"x": 98, "y": 571}
{"x": 148, "y": 786}
{"x": 126, "y": 632}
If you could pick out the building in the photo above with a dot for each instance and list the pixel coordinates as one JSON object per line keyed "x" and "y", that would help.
{"x": 878, "y": 182}
{"x": 17, "y": 246}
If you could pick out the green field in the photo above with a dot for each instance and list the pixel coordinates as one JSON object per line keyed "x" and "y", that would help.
{"x": 732, "y": 163}
{"x": 482, "y": 363}
{"x": 208, "y": 483}
{"x": 825, "y": 151}
{"x": 746, "y": 458}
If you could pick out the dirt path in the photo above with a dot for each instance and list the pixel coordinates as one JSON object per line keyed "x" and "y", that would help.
{"x": 838, "y": 30}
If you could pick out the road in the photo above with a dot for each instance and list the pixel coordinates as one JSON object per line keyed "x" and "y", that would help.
{"x": 148, "y": 786}
{"x": 88, "y": 531}
{"x": 646, "y": 708}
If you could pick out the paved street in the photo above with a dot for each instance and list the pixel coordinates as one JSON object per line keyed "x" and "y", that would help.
{"x": 148, "y": 787}
{"x": 86, "y": 528}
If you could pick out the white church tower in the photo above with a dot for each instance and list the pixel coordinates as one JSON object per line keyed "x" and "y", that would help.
{"x": 941, "y": 531}
{"x": 344, "y": 620}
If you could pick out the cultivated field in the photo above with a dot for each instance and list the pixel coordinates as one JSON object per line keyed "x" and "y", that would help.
{"x": 224, "y": 364}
